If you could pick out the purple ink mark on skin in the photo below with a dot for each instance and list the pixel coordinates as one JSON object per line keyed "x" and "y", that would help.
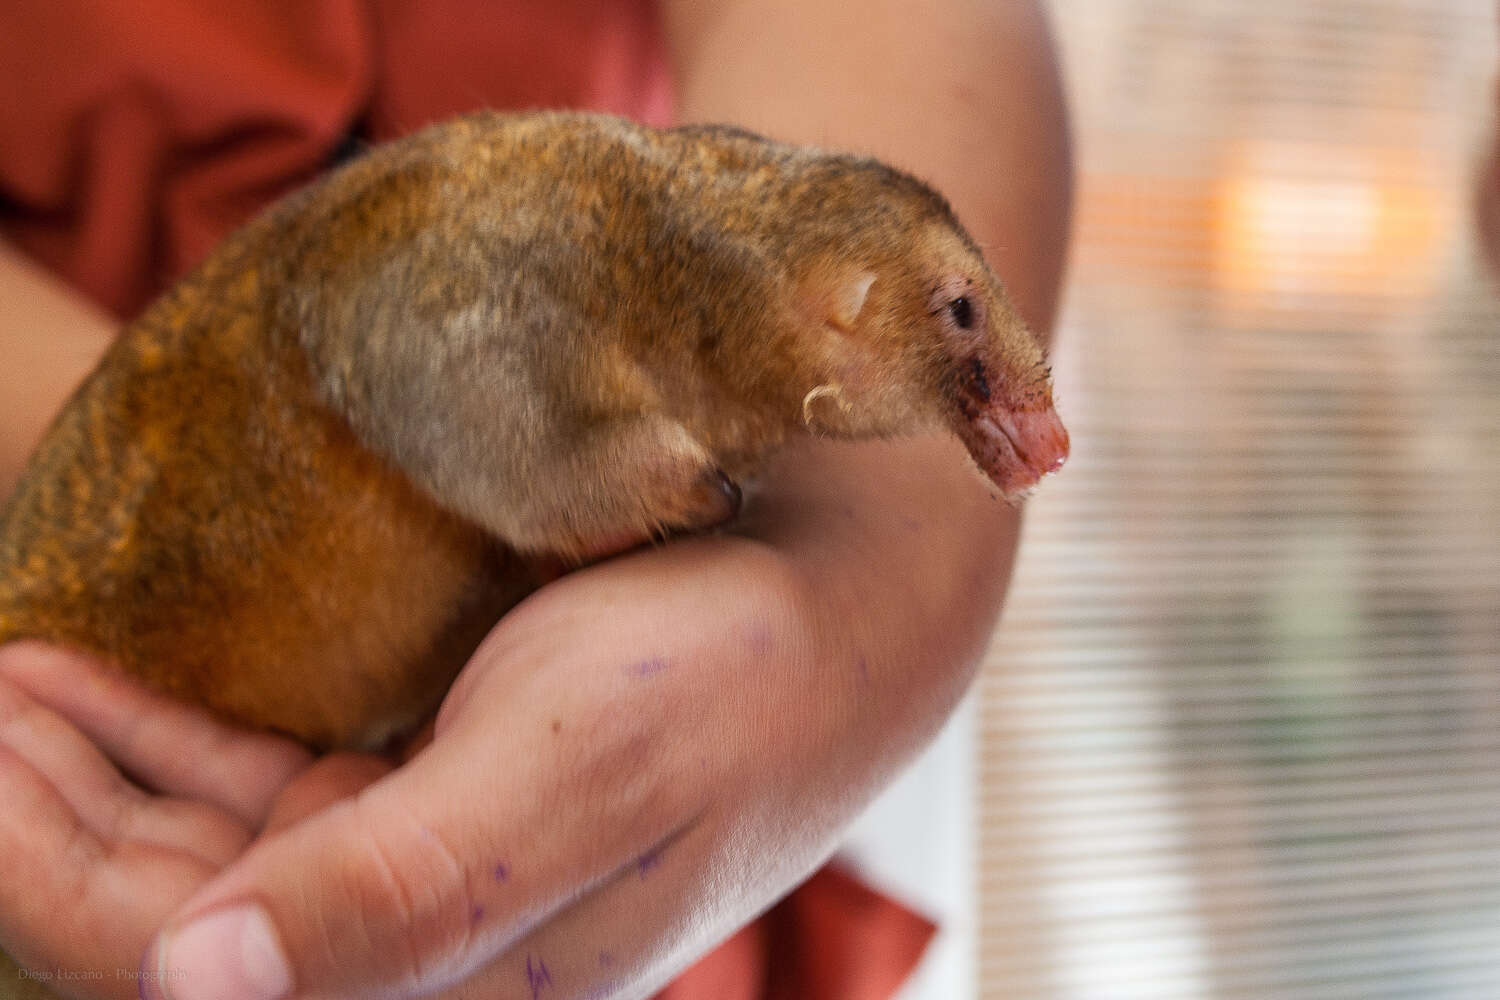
{"x": 538, "y": 976}
{"x": 477, "y": 915}
{"x": 502, "y": 872}
{"x": 649, "y": 860}
{"x": 645, "y": 668}
{"x": 863, "y": 668}
{"x": 606, "y": 960}
{"x": 761, "y": 639}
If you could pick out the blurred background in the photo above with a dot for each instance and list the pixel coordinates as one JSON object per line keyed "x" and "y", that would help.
{"x": 1240, "y": 734}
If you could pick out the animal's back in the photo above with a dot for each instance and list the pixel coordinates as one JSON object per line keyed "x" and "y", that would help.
{"x": 196, "y": 516}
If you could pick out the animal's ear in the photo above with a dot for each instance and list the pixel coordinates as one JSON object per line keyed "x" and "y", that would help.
{"x": 836, "y": 296}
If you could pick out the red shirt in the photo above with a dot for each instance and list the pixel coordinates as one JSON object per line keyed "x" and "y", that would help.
{"x": 135, "y": 134}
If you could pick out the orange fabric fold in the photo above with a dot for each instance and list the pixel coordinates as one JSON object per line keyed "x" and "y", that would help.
{"x": 135, "y": 134}
{"x": 833, "y": 939}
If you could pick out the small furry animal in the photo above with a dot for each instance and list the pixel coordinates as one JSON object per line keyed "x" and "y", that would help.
{"x": 303, "y": 485}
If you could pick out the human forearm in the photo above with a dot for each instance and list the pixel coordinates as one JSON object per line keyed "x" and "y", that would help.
{"x": 49, "y": 338}
{"x": 967, "y": 96}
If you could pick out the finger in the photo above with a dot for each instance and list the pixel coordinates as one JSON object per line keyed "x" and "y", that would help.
{"x": 39, "y": 835}
{"x": 337, "y": 776}
{"x": 432, "y": 871}
{"x": 166, "y": 745}
{"x": 110, "y": 807}
{"x": 68, "y": 901}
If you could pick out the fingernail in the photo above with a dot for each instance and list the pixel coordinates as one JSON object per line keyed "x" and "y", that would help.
{"x": 231, "y": 954}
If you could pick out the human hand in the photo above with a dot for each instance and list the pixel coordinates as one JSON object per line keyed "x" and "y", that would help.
{"x": 638, "y": 759}
{"x": 95, "y": 861}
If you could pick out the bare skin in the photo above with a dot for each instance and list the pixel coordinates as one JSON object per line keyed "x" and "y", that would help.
{"x": 744, "y": 753}
{"x": 49, "y": 339}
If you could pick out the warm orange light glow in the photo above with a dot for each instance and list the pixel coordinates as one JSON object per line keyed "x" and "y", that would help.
{"x": 1293, "y": 222}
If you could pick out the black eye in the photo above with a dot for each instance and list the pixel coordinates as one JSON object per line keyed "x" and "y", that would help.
{"x": 962, "y": 312}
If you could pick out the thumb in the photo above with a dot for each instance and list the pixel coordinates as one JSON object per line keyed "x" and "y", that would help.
{"x": 355, "y": 899}
{"x": 409, "y": 887}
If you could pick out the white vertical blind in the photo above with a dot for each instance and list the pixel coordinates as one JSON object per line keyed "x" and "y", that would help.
{"x": 1240, "y": 730}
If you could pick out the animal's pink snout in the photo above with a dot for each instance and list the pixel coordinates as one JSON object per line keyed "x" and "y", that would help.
{"x": 1039, "y": 438}
{"x": 1015, "y": 448}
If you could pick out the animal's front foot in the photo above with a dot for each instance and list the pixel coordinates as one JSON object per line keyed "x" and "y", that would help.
{"x": 715, "y": 499}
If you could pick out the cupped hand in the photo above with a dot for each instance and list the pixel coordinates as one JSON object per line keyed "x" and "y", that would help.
{"x": 119, "y": 804}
